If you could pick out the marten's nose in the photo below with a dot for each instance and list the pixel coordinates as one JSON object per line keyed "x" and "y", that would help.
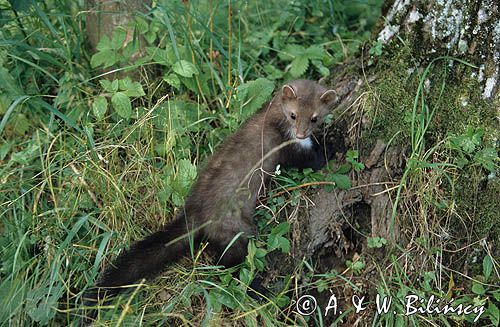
{"x": 300, "y": 136}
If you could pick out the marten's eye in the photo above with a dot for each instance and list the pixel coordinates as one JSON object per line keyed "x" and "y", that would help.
{"x": 293, "y": 116}
{"x": 314, "y": 119}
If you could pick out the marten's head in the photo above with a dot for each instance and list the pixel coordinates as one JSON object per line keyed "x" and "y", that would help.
{"x": 305, "y": 104}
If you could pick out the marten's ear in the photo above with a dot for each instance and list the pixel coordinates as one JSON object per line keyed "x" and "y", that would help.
{"x": 328, "y": 97}
{"x": 288, "y": 92}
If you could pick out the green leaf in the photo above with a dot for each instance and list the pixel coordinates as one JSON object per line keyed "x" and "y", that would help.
{"x": 282, "y": 301}
{"x": 172, "y": 80}
{"x": 99, "y": 107}
{"x": 225, "y": 298}
{"x": 4, "y": 150}
{"x": 9, "y": 84}
{"x": 106, "y": 58}
{"x": 299, "y": 66}
{"x": 342, "y": 181}
{"x": 245, "y": 276}
{"x": 260, "y": 253}
{"x": 121, "y": 104}
{"x": 108, "y": 86}
{"x": 118, "y": 38}
{"x": 104, "y": 43}
{"x": 487, "y": 157}
{"x": 468, "y": 144}
{"x": 281, "y": 229}
{"x": 321, "y": 69}
{"x": 252, "y": 95}
{"x": 376, "y": 242}
{"x": 315, "y": 52}
{"x": 20, "y": 124}
{"x": 478, "y": 289}
{"x": 130, "y": 88}
{"x": 493, "y": 313}
{"x": 185, "y": 68}
{"x": 186, "y": 174}
{"x": 487, "y": 266}
{"x": 291, "y": 51}
{"x": 356, "y": 267}
{"x": 345, "y": 168}
{"x": 283, "y": 244}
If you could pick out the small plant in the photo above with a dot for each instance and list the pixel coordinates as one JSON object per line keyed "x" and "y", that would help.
{"x": 356, "y": 266}
{"x": 119, "y": 91}
{"x": 470, "y": 150}
{"x": 376, "y": 242}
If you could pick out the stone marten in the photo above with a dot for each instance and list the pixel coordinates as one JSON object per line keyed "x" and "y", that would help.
{"x": 222, "y": 201}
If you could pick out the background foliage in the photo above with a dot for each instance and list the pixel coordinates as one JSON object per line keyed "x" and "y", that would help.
{"x": 98, "y": 149}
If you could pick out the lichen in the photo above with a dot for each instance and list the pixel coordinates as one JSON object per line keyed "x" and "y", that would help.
{"x": 387, "y": 33}
{"x": 453, "y": 93}
{"x": 389, "y": 30}
{"x": 490, "y": 84}
{"x": 414, "y": 16}
{"x": 446, "y": 22}
{"x": 452, "y": 26}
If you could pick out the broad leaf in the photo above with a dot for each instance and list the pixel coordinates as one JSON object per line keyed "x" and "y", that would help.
{"x": 99, "y": 107}
{"x": 172, "y": 80}
{"x": 121, "y": 104}
{"x": 299, "y": 66}
{"x": 252, "y": 95}
{"x": 185, "y": 68}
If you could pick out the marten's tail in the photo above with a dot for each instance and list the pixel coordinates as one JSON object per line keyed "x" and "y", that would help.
{"x": 145, "y": 259}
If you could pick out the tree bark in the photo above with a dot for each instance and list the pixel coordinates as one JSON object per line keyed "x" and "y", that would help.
{"x": 334, "y": 229}
{"x": 105, "y": 16}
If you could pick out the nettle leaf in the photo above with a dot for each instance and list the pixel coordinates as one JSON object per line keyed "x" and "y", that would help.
{"x": 141, "y": 24}
{"x": 291, "y": 51}
{"x": 344, "y": 169}
{"x": 315, "y": 52}
{"x": 159, "y": 56}
{"x": 245, "y": 276}
{"x": 321, "y": 68}
{"x": 41, "y": 303}
{"x": 252, "y": 95}
{"x": 185, "y": 68}
{"x": 121, "y": 104}
{"x": 299, "y": 66}
{"x": 99, "y": 107}
{"x": 186, "y": 174}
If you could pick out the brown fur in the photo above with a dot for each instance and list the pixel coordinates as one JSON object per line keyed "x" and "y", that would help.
{"x": 222, "y": 201}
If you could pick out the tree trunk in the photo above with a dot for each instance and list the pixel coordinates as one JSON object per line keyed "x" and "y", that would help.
{"x": 374, "y": 87}
{"x": 105, "y": 16}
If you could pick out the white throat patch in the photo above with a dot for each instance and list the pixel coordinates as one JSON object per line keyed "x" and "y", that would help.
{"x": 306, "y": 143}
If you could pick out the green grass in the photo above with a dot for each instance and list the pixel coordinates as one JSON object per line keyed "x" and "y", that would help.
{"x": 91, "y": 161}
{"x": 89, "y": 166}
